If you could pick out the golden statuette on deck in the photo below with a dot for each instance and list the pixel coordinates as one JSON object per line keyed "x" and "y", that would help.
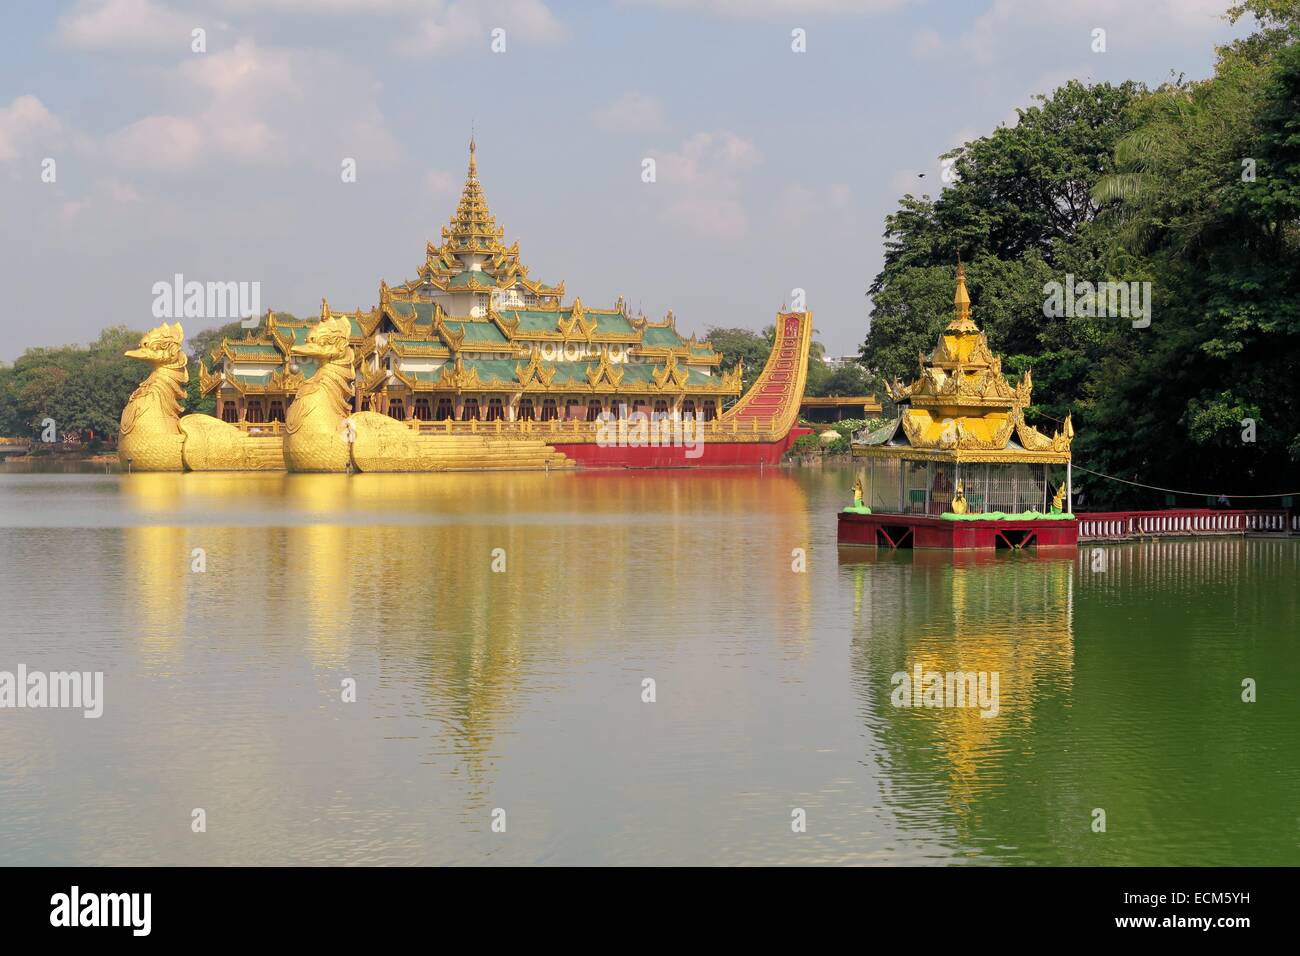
{"x": 1058, "y": 500}
{"x": 958, "y": 504}
{"x": 154, "y": 437}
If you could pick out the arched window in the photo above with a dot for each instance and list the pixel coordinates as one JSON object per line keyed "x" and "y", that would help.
{"x": 496, "y": 411}
{"x": 549, "y": 411}
{"x": 229, "y": 413}
{"x": 688, "y": 408}
{"x": 661, "y": 406}
{"x": 638, "y": 405}
{"x": 276, "y": 414}
{"x": 526, "y": 411}
{"x": 397, "y": 409}
{"x": 422, "y": 410}
{"x": 593, "y": 410}
{"x": 445, "y": 410}
{"x": 253, "y": 413}
{"x": 710, "y": 409}
{"x": 571, "y": 407}
{"x": 469, "y": 411}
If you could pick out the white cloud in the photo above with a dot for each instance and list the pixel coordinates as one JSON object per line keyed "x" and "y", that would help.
{"x": 708, "y": 159}
{"x": 701, "y": 182}
{"x": 451, "y": 26}
{"x": 633, "y": 113}
{"x": 104, "y": 24}
{"x": 423, "y": 27}
{"x": 263, "y": 106}
{"x": 158, "y": 142}
{"x": 23, "y": 121}
{"x": 329, "y": 7}
{"x": 772, "y": 9}
{"x": 1127, "y": 24}
{"x": 799, "y": 207}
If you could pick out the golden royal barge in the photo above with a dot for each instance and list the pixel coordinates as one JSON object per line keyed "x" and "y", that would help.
{"x": 472, "y": 364}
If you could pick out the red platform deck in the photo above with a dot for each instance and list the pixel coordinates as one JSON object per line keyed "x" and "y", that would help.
{"x": 925, "y": 531}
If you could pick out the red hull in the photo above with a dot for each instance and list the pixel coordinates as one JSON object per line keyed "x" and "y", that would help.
{"x": 920, "y": 531}
{"x": 707, "y": 455}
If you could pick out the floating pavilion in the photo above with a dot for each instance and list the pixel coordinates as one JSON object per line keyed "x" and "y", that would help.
{"x": 959, "y": 467}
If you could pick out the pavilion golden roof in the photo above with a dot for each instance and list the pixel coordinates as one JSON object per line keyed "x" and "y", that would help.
{"x": 961, "y": 402}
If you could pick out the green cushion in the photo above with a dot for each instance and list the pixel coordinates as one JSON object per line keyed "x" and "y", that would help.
{"x": 1000, "y": 516}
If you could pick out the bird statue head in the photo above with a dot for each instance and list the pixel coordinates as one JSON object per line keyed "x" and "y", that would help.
{"x": 160, "y": 346}
{"x": 328, "y": 341}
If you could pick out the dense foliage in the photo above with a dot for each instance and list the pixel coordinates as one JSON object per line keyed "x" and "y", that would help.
{"x": 83, "y": 388}
{"x": 1193, "y": 187}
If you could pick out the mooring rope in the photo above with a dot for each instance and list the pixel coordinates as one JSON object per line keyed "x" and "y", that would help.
{"x": 1175, "y": 491}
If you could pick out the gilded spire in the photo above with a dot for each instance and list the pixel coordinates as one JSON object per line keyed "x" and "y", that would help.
{"x": 961, "y": 321}
{"x": 473, "y": 228}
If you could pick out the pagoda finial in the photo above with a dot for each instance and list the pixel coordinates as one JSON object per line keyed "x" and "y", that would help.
{"x": 473, "y": 162}
{"x": 961, "y": 301}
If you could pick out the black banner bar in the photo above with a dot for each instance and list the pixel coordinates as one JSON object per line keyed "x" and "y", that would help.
{"x": 332, "y": 905}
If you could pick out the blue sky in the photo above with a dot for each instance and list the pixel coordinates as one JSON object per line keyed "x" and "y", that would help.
{"x": 775, "y": 169}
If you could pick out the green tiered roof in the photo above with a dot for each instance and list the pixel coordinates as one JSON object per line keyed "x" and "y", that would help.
{"x": 416, "y": 326}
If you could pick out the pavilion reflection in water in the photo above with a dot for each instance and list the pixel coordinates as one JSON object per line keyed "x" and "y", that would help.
{"x": 1009, "y": 615}
{"x": 1130, "y": 705}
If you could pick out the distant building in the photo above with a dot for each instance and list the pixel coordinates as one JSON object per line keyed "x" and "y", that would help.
{"x": 840, "y": 361}
{"x": 836, "y": 408}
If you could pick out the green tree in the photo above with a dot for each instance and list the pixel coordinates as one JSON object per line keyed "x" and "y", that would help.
{"x": 81, "y": 389}
{"x": 745, "y": 345}
{"x": 1206, "y": 194}
{"x": 847, "y": 379}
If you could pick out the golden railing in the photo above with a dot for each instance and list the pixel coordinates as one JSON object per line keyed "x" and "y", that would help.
{"x": 558, "y": 430}
{"x": 267, "y": 429}
{"x": 579, "y": 430}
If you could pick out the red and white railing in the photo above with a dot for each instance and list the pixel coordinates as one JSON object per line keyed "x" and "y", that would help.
{"x": 1118, "y": 525}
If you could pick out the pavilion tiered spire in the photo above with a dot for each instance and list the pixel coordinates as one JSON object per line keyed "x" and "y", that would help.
{"x": 961, "y": 320}
{"x": 473, "y": 227}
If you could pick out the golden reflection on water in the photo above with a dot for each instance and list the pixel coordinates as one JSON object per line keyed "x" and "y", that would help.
{"x": 1118, "y": 687}
{"x": 397, "y": 569}
{"x": 156, "y": 561}
{"x": 992, "y": 614}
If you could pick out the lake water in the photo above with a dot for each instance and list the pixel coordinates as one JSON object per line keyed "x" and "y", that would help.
{"x": 1120, "y": 674}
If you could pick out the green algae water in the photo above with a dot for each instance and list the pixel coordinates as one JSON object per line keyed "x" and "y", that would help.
{"x": 1120, "y": 675}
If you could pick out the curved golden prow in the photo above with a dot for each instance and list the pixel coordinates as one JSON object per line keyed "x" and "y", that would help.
{"x": 771, "y": 406}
